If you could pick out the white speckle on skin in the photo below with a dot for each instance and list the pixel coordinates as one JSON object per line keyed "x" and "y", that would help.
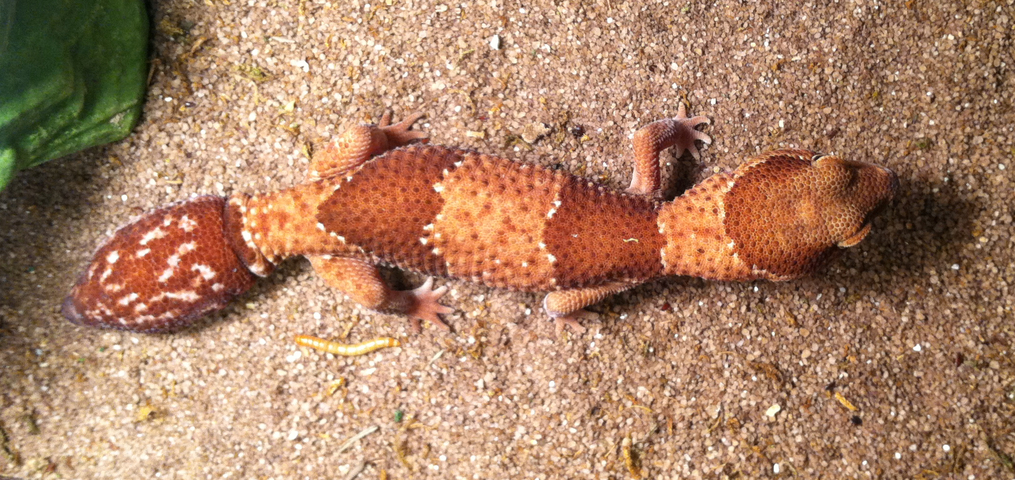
{"x": 140, "y": 307}
{"x": 152, "y": 235}
{"x": 105, "y": 275}
{"x": 525, "y": 264}
{"x": 174, "y": 260}
{"x": 551, "y": 212}
{"x": 166, "y": 274}
{"x": 246, "y": 236}
{"x": 186, "y": 248}
{"x": 551, "y": 258}
{"x": 206, "y": 272}
{"x": 422, "y": 240}
{"x": 428, "y": 227}
{"x": 187, "y": 296}
{"x": 113, "y": 256}
{"x": 141, "y": 253}
{"x": 320, "y": 226}
{"x": 326, "y": 257}
{"x": 217, "y": 287}
{"x": 542, "y": 246}
{"x": 253, "y": 211}
{"x": 187, "y": 224}
{"x": 436, "y": 251}
{"x": 438, "y": 187}
{"x": 458, "y": 163}
{"x": 127, "y": 299}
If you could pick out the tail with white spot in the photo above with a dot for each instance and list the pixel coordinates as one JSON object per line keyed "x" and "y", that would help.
{"x": 165, "y": 270}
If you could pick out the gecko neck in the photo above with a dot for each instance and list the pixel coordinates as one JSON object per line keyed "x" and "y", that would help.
{"x": 284, "y": 223}
{"x": 696, "y": 240}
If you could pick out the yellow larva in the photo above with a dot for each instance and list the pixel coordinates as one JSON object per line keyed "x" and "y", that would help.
{"x": 346, "y": 350}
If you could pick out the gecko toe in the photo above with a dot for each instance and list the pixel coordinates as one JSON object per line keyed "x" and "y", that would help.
{"x": 425, "y": 306}
{"x": 400, "y": 134}
{"x": 563, "y": 323}
{"x": 571, "y": 321}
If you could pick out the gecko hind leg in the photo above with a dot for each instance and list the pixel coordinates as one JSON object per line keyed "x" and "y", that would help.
{"x": 359, "y": 144}
{"x": 566, "y": 307}
{"x": 362, "y": 281}
{"x": 652, "y": 139}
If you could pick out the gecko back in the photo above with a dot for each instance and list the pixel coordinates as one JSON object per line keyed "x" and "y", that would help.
{"x": 458, "y": 213}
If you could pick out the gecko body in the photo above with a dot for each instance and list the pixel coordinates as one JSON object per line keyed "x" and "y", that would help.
{"x": 377, "y": 196}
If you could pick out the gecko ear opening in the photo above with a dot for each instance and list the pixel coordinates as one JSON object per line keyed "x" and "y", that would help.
{"x": 856, "y": 237}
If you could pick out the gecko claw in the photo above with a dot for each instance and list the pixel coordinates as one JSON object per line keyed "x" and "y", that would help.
{"x": 399, "y": 133}
{"x": 424, "y": 305}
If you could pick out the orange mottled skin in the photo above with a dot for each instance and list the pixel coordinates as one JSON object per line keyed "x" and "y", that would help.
{"x": 374, "y": 197}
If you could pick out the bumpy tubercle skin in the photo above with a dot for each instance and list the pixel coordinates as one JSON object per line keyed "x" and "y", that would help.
{"x": 377, "y": 196}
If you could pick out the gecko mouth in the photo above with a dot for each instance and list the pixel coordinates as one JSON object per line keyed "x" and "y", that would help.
{"x": 857, "y": 237}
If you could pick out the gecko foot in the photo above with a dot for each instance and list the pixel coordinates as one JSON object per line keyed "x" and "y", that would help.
{"x": 422, "y": 304}
{"x": 399, "y": 133}
{"x": 688, "y": 135}
{"x": 571, "y": 321}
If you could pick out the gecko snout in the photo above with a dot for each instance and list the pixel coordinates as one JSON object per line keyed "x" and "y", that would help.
{"x": 860, "y": 191}
{"x": 161, "y": 271}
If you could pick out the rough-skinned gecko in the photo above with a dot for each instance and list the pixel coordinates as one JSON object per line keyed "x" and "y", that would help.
{"x": 380, "y": 195}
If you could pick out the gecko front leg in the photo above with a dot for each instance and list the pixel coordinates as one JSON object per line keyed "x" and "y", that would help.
{"x": 566, "y": 307}
{"x": 361, "y": 143}
{"x": 652, "y": 139}
{"x": 362, "y": 281}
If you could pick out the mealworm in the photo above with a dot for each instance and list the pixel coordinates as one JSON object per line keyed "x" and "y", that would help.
{"x": 630, "y": 460}
{"x": 346, "y": 350}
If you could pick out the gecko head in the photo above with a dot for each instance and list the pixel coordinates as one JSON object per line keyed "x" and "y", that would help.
{"x": 161, "y": 272}
{"x": 790, "y": 211}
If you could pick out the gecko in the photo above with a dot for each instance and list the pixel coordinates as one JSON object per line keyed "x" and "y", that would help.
{"x": 382, "y": 195}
